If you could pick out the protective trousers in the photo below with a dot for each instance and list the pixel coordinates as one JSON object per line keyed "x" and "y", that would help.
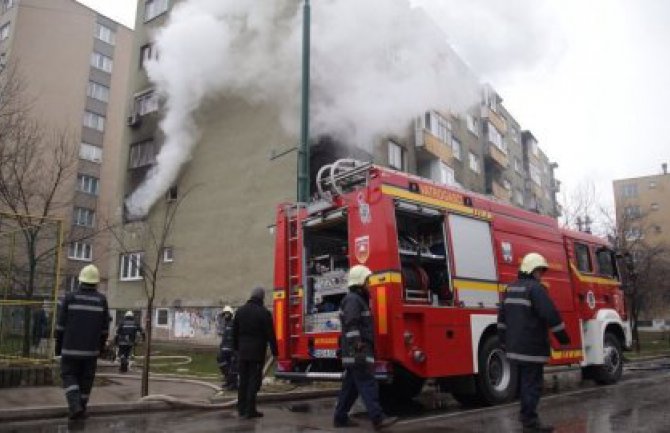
{"x": 77, "y": 375}
{"x": 531, "y": 376}
{"x": 124, "y": 355}
{"x": 228, "y": 365}
{"x": 358, "y": 380}
{"x": 251, "y": 373}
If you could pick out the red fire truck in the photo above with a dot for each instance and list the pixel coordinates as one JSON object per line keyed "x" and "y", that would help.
{"x": 441, "y": 258}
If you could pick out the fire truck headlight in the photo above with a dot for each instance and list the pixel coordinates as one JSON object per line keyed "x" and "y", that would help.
{"x": 409, "y": 338}
{"x": 419, "y": 356}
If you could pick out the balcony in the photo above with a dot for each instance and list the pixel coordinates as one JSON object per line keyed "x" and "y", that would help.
{"x": 500, "y": 192}
{"x": 497, "y": 155}
{"x": 496, "y": 119}
{"x": 432, "y": 146}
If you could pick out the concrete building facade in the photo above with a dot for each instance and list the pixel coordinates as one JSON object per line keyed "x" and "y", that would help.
{"x": 74, "y": 63}
{"x": 222, "y": 243}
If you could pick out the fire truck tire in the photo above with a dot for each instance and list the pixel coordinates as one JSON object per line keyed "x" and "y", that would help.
{"x": 610, "y": 372}
{"x": 497, "y": 381}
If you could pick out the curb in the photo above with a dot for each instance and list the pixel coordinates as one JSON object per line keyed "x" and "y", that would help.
{"x": 47, "y": 412}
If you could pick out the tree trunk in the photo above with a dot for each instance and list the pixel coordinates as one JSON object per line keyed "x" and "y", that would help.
{"x": 147, "y": 348}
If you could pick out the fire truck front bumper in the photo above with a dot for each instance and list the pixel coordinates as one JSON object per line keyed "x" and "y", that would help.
{"x": 287, "y": 370}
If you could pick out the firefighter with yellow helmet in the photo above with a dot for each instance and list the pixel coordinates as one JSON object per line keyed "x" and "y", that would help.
{"x": 81, "y": 334}
{"x": 526, "y": 315}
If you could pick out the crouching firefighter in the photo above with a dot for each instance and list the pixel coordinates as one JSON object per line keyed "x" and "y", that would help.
{"x": 524, "y": 319}
{"x": 227, "y": 357}
{"x": 81, "y": 334}
{"x": 126, "y": 336}
{"x": 358, "y": 354}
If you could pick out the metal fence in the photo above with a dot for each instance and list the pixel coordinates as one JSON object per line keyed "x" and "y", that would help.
{"x": 30, "y": 261}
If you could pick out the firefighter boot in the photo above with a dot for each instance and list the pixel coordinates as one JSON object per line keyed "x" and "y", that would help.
{"x": 537, "y": 427}
{"x": 75, "y": 409}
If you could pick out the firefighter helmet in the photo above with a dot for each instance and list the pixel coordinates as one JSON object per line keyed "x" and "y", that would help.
{"x": 129, "y": 313}
{"x": 228, "y": 309}
{"x": 531, "y": 262}
{"x": 357, "y": 275}
{"x": 89, "y": 275}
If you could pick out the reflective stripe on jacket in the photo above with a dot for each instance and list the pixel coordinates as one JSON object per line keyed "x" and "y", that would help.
{"x": 357, "y": 339}
{"x": 83, "y": 323}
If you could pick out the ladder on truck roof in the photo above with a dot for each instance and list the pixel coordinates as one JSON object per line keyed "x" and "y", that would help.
{"x": 342, "y": 176}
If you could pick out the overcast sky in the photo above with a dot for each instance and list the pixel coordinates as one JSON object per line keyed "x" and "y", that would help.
{"x": 590, "y": 79}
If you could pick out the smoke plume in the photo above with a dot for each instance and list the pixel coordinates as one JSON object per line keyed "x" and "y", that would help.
{"x": 375, "y": 65}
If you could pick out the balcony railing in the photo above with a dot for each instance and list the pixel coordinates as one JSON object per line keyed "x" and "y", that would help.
{"x": 434, "y": 146}
{"x": 497, "y": 155}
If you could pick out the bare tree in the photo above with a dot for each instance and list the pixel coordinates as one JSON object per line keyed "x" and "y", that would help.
{"x": 579, "y": 206}
{"x": 150, "y": 236}
{"x": 35, "y": 163}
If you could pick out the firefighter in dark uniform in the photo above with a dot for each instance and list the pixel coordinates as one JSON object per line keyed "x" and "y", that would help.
{"x": 81, "y": 333}
{"x": 358, "y": 354}
{"x": 227, "y": 357}
{"x": 524, "y": 319}
{"x": 253, "y": 331}
{"x": 126, "y": 335}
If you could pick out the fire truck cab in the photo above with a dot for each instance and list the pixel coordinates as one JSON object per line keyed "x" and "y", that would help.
{"x": 441, "y": 258}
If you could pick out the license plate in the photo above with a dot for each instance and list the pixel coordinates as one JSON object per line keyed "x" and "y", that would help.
{"x": 325, "y": 353}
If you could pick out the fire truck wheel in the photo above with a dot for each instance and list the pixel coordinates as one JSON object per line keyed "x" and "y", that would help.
{"x": 497, "y": 380}
{"x": 610, "y": 372}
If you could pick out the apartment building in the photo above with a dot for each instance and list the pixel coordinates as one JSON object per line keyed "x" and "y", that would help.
{"x": 74, "y": 63}
{"x": 643, "y": 208}
{"x": 221, "y": 243}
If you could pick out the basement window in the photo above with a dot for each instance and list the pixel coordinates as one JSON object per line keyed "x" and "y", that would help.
{"x": 162, "y": 317}
{"x": 168, "y": 255}
{"x": 172, "y": 193}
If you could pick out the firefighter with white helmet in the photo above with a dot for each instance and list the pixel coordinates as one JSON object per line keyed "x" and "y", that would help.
{"x": 526, "y": 315}
{"x": 227, "y": 357}
{"x": 126, "y": 337}
{"x": 81, "y": 334}
{"x": 358, "y": 354}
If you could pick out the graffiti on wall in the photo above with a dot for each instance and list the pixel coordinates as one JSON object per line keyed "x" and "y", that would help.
{"x": 195, "y": 322}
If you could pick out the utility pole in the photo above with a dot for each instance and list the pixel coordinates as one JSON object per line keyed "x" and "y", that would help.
{"x": 303, "y": 148}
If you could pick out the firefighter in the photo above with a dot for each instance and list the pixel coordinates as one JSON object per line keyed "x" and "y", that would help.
{"x": 252, "y": 333}
{"x": 357, "y": 347}
{"x": 126, "y": 335}
{"x": 81, "y": 333}
{"x": 524, "y": 319}
{"x": 227, "y": 357}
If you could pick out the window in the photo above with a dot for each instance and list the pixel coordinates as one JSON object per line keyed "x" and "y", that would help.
{"x": 474, "y": 162}
{"x": 606, "y": 262}
{"x": 535, "y": 174}
{"x": 514, "y": 133}
{"x": 456, "y": 148}
{"x": 142, "y": 154}
{"x": 437, "y": 125}
{"x": 80, "y": 251}
{"x": 633, "y": 234}
{"x": 71, "y": 283}
{"x": 518, "y": 197}
{"x": 4, "y": 32}
{"x": 168, "y": 255}
{"x": 83, "y": 217}
{"x": 652, "y": 184}
{"x": 131, "y": 266}
{"x": 94, "y": 121}
{"x": 105, "y": 34}
{"x": 518, "y": 167}
{"x": 583, "y": 258}
{"x": 446, "y": 174}
{"x": 655, "y": 206}
{"x": 7, "y": 5}
{"x": 172, "y": 193}
{"x": 162, "y": 315}
{"x": 472, "y": 124}
{"x": 153, "y": 8}
{"x": 395, "y": 156}
{"x": 147, "y": 52}
{"x": 146, "y": 103}
{"x": 98, "y": 91}
{"x": 629, "y": 190}
{"x": 496, "y": 138}
{"x": 101, "y": 62}
{"x": 88, "y": 184}
{"x": 90, "y": 152}
{"x": 632, "y": 212}
{"x": 534, "y": 149}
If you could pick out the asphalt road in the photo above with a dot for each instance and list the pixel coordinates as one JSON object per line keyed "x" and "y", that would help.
{"x": 639, "y": 403}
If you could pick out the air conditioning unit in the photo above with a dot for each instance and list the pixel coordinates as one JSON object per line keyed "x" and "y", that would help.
{"x": 134, "y": 120}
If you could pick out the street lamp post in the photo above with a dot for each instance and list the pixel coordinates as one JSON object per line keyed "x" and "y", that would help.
{"x": 303, "y": 148}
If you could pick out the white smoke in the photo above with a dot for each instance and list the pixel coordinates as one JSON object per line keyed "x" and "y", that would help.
{"x": 375, "y": 65}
